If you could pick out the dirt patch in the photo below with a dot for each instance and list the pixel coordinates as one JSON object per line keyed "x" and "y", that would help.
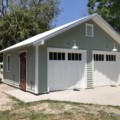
{"x": 5, "y": 101}
{"x": 55, "y": 108}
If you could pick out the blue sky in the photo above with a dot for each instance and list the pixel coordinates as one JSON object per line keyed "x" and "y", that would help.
{"x": 72, "y": 10}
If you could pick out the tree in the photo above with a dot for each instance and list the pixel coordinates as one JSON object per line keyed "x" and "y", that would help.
{"x": 108, "y": 9}
{"x": 22, "y": 19}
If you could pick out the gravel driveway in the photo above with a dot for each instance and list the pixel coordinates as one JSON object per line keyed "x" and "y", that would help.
{"x": 5, "y": 101}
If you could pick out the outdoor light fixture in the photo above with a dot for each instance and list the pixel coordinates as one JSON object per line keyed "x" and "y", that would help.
{"x": 114, "y": 49}
{"x": 74, "y": 47}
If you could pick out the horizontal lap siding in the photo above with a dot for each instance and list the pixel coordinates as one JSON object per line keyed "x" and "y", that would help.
{"x": 101, "y": 41}
{"x": 42, "y": 69}
{"x": 31, "y": 68}
{"x": 12, "y": 77}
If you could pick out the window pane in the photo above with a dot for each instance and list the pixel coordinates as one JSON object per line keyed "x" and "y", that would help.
{"x": 8, "y": 63}
{"x": 50, "y": 56}
{"x": 76, "y": 56}
{"x": 1, "y": 66}
{"x": 72, "y": 56}
{"x": 69, "y": 56}
{"x": 107, "y": 58}
{"x": 55, "y": 56}
{"x": 59, "y": 56}
{"x": 102, "y": 57}
{"x": 96, "y": 57}
{"x": 89, "y": 30}
{"x": 63, "y": 56}
{"x": 114, "y": 57}
{"x": 80, "y": 57}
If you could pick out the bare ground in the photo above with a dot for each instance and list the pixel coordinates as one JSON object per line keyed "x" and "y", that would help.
{"x": 53, "y": 109}
{"x": 5, "y": 101}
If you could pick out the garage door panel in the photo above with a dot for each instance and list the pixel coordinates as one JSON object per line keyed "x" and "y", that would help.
{"x": 66, "y": 74}
{"x": 106, "y": 72}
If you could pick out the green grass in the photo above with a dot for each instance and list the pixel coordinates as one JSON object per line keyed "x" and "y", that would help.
{"x": 55, "y": 110}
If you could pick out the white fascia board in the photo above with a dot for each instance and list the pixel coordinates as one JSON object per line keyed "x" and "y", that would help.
{"x": 14, "y": 47}
{"x": 40, "y": 38}
{"x": 41, "y": 42}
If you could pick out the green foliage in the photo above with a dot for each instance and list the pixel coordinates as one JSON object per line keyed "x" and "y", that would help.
{"x": 21, "y": 19}
{"x": 108, "y": 9}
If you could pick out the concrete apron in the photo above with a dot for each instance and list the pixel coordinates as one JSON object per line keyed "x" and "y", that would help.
{"x": 100, "y": 95}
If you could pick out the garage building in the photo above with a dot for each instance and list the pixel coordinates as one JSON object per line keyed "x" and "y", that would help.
{"x": 81, "y": 54}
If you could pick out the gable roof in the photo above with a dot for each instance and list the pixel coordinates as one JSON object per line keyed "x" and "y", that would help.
{"x": 38, "y": 39}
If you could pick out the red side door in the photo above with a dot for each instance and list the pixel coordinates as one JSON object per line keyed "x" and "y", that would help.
{"x": 23, "y": 71}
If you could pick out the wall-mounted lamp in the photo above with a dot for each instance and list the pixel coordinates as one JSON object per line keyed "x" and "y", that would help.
{"x": 114, "y": 49}
{"x": 75, "y": 47}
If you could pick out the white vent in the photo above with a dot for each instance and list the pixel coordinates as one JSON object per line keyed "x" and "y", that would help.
{"x": 89, "y": 30}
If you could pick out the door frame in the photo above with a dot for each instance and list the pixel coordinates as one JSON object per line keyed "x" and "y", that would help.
{"x": 66, "y": 50}
{"x": 23, "y": 51}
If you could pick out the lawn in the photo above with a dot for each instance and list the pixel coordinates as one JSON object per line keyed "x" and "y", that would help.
{"x": 55, "y": 110}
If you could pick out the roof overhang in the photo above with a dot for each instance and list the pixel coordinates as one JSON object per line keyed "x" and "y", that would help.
{"x": 107, "y": 28}
{"x": 41, "y": 38}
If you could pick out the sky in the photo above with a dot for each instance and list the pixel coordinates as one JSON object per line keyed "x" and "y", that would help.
{"x": 72, "y": 10}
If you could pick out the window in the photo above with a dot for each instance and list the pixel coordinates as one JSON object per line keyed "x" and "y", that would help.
{"x": 56, "y": 56}
{"x": 75, "y": 56}
{"x": 8, "y": 63}
{"x": 89, "y": 30}
{"x": 98, "y": 57}
{"x": 1, "y": 66}
{"x": 110, "y": 57}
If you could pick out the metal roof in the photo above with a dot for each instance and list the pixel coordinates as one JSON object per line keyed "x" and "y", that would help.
{"x": 38, "y": 39}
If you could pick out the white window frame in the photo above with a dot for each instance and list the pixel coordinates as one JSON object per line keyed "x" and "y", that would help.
{"x": 8, "y": 64}
{"x": 89, "y": 25}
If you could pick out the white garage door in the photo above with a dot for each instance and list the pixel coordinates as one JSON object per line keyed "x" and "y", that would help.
{"x": 66, "y": 69}
{"x": 106, "y": 68}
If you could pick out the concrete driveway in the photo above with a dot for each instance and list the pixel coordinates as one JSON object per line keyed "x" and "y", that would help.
{"x": 100, "y": 95}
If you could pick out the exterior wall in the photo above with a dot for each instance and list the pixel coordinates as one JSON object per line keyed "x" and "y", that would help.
{"x": 12, "y": 77}
{"x": 100, "y": 41}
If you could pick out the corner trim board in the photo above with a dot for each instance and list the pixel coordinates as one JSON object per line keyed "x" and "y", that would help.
{"x": 36, "y": 69}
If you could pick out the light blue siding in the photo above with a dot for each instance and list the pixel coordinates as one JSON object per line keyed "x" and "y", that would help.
{"x": 101, "y": 41}
{"x": 12, "y": 77}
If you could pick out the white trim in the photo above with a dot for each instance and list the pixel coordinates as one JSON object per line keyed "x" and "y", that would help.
{"x": 107, "y": 28}
{"x": 23, "y": 51}
{"x": 105, "y": 52}
{"x": 67, "y": 50}
{"x": 86, "y": 31}
{"x": 100, "y": 52}
{"x": 35, "y": 40}
{"x": 36, "y": 69}
{"x": 42, "y": 42}
{"x": 48, "y": 89}
{"x": 64, "y": 50}
{"x": 93, "y": 69}
{"x": 8, "y": 55}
